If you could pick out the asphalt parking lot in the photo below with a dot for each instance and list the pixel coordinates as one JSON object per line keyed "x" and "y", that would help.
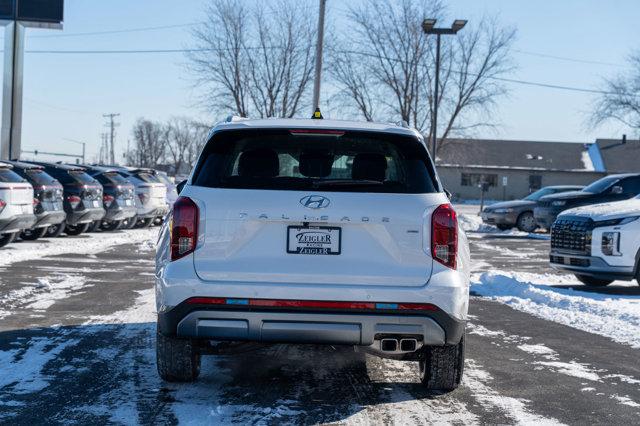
{"x": 77, "y": 338}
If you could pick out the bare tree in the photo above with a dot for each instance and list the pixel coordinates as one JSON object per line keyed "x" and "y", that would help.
{"x": 620, "y": 100}
{"x": 184, "y": 140}
{"x": 149, "y": 139}
{"x": 389, "y": 71}
{"x": 257, "y": 61}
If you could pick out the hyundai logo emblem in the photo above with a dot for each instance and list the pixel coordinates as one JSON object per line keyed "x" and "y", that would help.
{"x": 315, "y": 202}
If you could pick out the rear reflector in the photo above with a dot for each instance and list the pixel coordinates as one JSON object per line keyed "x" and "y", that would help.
{"x": 184, "y": 227}
{"x": 312, "y": 304}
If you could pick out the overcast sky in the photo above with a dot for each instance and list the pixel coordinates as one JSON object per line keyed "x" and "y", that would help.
{"x": 65, "y": 95}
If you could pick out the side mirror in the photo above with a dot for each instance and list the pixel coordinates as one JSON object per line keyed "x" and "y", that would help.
{"x": 448, "y": 194}
{"x": 180, "y": 186}
{"x": 617, "y": 189}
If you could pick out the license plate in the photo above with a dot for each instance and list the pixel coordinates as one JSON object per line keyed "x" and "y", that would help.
{"x": 128, "y": 202}
{"x": 314, "y": 240}
{"x": 96, "y": 203}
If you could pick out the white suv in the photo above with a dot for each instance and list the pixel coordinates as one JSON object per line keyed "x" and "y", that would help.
{"x": 314, "y": 231}
{"x": 598, "y": 243}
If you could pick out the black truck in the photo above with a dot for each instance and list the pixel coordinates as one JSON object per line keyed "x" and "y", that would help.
{"x": 608, "y": 189}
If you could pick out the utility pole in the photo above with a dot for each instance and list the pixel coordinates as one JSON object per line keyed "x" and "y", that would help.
{"x": 319, "y": 43}
{"x": 112, "y": 134}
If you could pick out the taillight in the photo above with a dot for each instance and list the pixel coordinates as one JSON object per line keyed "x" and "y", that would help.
{"x": 184, "y": 227}
{"x": 143, "y": 198}
{"x": 36, "y": 202}
{"x": 108, "y": 199}
{"x": 2, "y": 205}
{"x": 444, "y": 235}
{"x": 73, "y": 200}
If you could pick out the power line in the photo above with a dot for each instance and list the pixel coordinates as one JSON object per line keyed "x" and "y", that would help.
{"x": 124, "y": 30}
{"x": 152, "y": 51}
{"x": 567, "y": 59}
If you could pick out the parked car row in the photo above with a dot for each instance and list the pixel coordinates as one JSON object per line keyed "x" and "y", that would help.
{"x": 541, "y": 208}
{"x": 39, "y": 199}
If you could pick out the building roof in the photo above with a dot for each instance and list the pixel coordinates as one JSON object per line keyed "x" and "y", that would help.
{"x": 619, "y": 157}
{"x": 515, "y": 154}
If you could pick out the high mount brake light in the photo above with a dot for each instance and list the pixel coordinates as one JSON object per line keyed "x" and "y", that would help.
{"x": 444, "y": 235}
{"x": 184, "y": 227}
{"x": 316, "y": 132}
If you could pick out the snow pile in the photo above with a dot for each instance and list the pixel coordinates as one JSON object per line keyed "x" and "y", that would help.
{"x": 473, "y": 223}
{"x": 82, "y": 244}
{"x": 613, "y": 316}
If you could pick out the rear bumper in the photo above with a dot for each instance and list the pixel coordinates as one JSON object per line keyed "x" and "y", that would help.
{"x": 499, "y": 218}
{"x": 120, "y": 213}
{"x": 307, "y": 326}
{"x": 591, "y": 266}
{"x": 85, "y": 216}
{"x": 49, "y": 218}
{"x": 17, "y": 223}
{"x": 158, "y": 211}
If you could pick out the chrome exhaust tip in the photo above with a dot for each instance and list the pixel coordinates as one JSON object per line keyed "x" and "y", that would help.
{"x": 389, "y": 345}
{"x": 408, "y": 345}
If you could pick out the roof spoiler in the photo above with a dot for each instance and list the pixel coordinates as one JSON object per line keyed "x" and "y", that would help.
{"x": 4, "y": 165}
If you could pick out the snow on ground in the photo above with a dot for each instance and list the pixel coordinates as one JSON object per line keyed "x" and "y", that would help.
{"x": 609, "y": 315}
{"x": 82, "y": 244}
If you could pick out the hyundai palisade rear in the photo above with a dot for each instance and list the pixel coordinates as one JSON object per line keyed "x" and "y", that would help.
{"x": 314, "y": 231}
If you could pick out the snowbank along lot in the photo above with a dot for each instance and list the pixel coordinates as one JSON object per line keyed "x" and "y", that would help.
{"x": 77, "y": 331}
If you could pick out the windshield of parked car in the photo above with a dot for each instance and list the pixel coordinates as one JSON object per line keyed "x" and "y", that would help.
{"x": 303, "y": 160}
{"x": 601, "y": 184}
{"x": 8, "y": 175}
{"x": 114, "y": 178}
{"x": 146, "y": 177}
{"x": 40, "y": 177}
{"x": 535, "y": 196}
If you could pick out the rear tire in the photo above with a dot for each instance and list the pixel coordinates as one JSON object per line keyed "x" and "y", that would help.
{"x": 442, "y": 366}
{"x": 526, "y": 222}
{"x": 111, "y": 225}
{"x": 145, "y": 223}
{"x": 77, "y": 229}
{"x": 7, "y": 238}
{"x": 130, "y": 223}
{"x": 593, "y": 282}
{"x": 55, "y": 231}
{"x": 33, "y": 234}
{"x": 94, "y": 226}
{"x": 178, "y": 360}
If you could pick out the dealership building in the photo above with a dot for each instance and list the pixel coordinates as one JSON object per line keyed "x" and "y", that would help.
{"x": 513, "y": 169}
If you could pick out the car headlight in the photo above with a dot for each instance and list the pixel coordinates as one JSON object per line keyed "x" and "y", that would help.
{"x": 558, "y": 203}
{"x": 611, "y": 243}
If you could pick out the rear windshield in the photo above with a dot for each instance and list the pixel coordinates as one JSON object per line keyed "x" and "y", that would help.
{"x": 82, "y": 177}
{"x": 8, "y": 175}
{"x": 146, "y": 177}
{"x": 40, "y": 177}
{"x": 111, "y": 178}
{"x": 342, "y": 162}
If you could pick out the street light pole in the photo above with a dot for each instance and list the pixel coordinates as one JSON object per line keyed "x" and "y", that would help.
{"x": 428, "y": 27}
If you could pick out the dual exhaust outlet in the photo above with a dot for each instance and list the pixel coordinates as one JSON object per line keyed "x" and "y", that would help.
{"x": 398, "y": 345}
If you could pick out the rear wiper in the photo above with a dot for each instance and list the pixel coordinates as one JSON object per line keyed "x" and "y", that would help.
{"x": 345, "y": 182}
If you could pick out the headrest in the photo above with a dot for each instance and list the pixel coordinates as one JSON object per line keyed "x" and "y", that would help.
{"x": 259, "y": 162}
{"x": 315, "y": 163}
{"x": 369, "y": 166}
